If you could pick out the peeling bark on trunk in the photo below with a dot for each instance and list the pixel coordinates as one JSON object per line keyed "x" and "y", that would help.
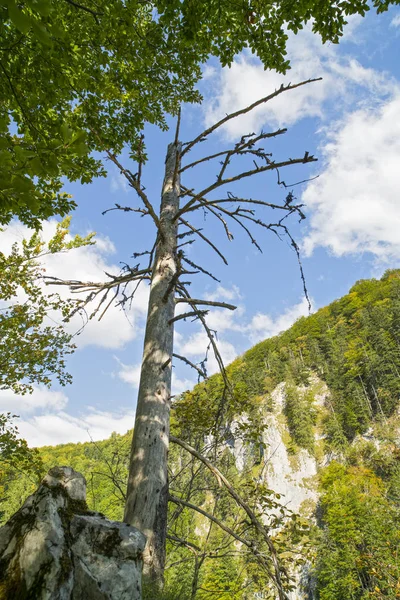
{"x": 147, "y": 494}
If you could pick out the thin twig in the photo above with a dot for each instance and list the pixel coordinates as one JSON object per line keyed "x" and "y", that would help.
{"x": 94, "y": 14}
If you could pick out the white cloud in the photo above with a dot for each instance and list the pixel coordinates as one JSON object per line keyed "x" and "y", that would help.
{"x": 88, "y": 263}
{"x": 62, "y": 428}
{"x": 222, "y": 319}
{"x": 221, "y": 294}
{"x": 345, "y": 80}
{"x": 395, "y": 22}
{"x": 118, "y": 182}
{"x": 355, "y": 202}
{"x": 263, "y": 326}
{"x": 129, "y": 373}
{"x": 40, "y": 398}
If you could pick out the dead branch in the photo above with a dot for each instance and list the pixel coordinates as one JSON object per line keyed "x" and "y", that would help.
{"x": 102, "y": 289}
{"x": 307, "y": 158}
{"x": 261, "y": 559}
{"x": 259, "y": 527}
{"x": 142, "y": 211}
{"x": 206, "y": 303}
{"x": 204, "y": 203}
{"x": 187, "y": 316}
{"x": 182, "y": 542}
{"x": 133, "y": 182}
{"x": 185, "y": 294}
{"x": 203, "y": 237}
{"x": 240, "y": 148}
{"x": 243, "y": 111}
{"x": 202, "y": 373}
{"x": 78, "y": 286}
{"x": 199, "y": 268}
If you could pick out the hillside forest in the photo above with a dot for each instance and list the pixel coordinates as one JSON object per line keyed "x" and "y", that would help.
{"x": 337, "y": 373}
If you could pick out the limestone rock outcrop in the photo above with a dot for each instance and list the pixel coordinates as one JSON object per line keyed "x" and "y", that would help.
{"x": 54, "y": 548}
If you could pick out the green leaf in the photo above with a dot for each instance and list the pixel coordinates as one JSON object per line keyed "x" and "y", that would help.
{"x": 81, "y": 149}
{"x": 21, "y": 21}
{"x": 43, "y": 7}
{"x": 66, "y": 133}
{"x": 78, "y": 136}
{"x": 41, "y": 33}
{"x": 36, "y": 165}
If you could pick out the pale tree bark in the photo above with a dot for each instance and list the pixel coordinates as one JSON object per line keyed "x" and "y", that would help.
{"x": 147, "y": 494}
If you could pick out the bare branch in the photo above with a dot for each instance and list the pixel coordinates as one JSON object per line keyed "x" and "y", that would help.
{"x": 78, "y": 286}
{"x": 234, "y": 215}
{"x": 291, "y": 185}
{"x": 182, "y": 542}
{"x": 260, "y": 528}
{"x": 196, "y": 266}
{"x": 261, "y": 559}
{"x": 240, "y": 148}
{"x": 109, "y": 304}
{"x": 132, "y": 179}
{"x": 224, "y": 527}
{"x": 307, "y": 158}
{"x": 186, "y": 316}
{"x": 195, "y": 367}
{"x": 96, "y": 289}
{"x": 185, "y": 294}
{"x": 207, "y": 132}
{"x": 206, "y": 303}
{"x": 203, "y": 237}
{"x": 126, "y": 209}
{"x": 203, "y": 203}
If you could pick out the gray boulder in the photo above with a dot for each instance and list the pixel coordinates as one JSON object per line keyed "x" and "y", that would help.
{"x": 54, "y": 548}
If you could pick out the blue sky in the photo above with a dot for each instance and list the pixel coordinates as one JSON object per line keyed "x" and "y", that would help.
{"x": 350, "y": 120}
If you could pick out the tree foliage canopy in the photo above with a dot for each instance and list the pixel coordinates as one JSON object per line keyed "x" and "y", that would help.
{"x": 76, "y": 77}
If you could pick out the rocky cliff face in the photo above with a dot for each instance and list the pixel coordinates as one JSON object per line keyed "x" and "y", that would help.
{"x": 290, "y": 473}
{"x": 54, "y": 548}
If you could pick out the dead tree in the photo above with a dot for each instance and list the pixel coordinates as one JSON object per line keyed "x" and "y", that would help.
{"x": 167, "y": 268}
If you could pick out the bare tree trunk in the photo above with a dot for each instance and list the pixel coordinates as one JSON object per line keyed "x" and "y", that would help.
{"x": 147, "y": 494}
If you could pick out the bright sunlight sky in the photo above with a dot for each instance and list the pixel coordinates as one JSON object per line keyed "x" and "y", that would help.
{"x": 350, "y": 120}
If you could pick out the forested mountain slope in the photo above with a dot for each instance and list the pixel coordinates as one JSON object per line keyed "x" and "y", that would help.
{"x": 307, "y": 432}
